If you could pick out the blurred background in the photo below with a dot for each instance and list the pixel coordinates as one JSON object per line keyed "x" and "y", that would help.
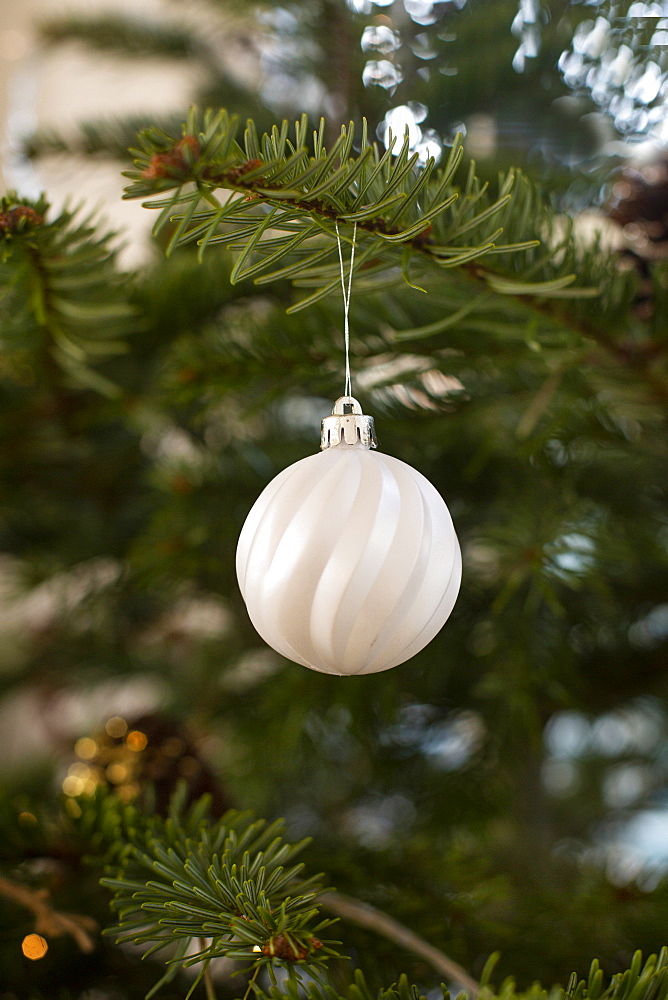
{"x": 507, "y": 788}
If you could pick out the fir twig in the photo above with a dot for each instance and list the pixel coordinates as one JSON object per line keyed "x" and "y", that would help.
{"x": 225, "y": 883}
{"x": 303, "y": 191}
{"x": 641, "y": 354}
{"x": 61, "y": 292}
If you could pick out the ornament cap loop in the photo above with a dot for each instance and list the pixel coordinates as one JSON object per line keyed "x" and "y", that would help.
{"x": 348, "y": 425}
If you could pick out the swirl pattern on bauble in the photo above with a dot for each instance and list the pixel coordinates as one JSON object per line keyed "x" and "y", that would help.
{"x": 348, "y": 562}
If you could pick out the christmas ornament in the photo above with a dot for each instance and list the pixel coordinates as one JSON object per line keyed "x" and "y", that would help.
{"x": 348, "y": 561}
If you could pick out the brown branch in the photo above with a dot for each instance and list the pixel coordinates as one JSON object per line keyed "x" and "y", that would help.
{"x": 232, "y": 180}
{"x": 208, "y": 976}
{"x": 372, "y": 919}
{"x": 49, "y": 922}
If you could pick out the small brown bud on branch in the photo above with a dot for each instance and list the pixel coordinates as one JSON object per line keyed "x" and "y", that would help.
{"x": 19, "y": 217}
{"x": 174, "y": 162}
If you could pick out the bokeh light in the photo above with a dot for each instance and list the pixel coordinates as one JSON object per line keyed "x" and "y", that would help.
{"x": 116, "y": 727}
{"x": 34, "y": 946}
{"x": 136, "y": 740}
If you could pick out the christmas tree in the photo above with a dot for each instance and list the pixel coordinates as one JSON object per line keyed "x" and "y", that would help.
{"x": 172, "y": 787}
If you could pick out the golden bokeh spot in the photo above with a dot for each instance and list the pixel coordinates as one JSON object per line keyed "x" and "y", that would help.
{"x": 86, "y": 748}
{"x": 116, "y": 727}
{"x": 34, "y": 946}
{"x": 117, "y": 773}
{"x": 136, "y": 740}
{"x": 27, "y": 819}
{"x": 79, "y": 770}
{"x": 73, "y": 785}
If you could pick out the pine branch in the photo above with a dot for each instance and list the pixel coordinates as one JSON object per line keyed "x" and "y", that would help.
{"x": 648, "y": 981}
{"x": 611, "y": 326}
{"x": 601, "y": 331}
{"x": 405, "y": 215}
{"x": 423, "y": 227}
{"x": 185, "y": 878}
{"x": 62, "y": 295}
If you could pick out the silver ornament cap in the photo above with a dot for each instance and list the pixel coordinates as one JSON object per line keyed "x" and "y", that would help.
{"x": 347, "y": 425}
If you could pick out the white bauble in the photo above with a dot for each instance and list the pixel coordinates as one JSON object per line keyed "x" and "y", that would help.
{"x": 348, "y": 561}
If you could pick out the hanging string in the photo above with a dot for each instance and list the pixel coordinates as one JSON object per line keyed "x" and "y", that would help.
{"x": 348, "y": 390}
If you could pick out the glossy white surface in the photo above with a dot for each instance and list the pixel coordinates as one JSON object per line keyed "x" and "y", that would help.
{"x": 349, "y": 562}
